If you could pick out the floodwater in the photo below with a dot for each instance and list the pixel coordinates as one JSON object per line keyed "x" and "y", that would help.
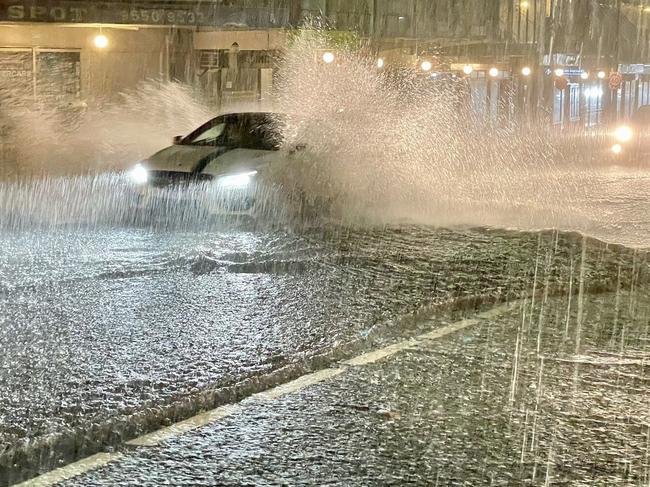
{"x": 107, "y": 333}
{"x": 514, "y": 399}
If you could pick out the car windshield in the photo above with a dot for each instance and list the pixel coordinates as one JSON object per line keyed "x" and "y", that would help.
{"x": 209, "y": 134}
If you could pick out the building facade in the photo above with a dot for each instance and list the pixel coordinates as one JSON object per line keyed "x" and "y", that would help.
{"x": 49, "y": 51}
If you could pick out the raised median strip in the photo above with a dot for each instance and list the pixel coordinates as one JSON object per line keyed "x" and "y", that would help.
{"x": 75, "y": 469}
{"x": 213, "y": 416}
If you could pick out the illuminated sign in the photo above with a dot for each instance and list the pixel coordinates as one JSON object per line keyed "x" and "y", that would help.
{"x": 148, "y": 13}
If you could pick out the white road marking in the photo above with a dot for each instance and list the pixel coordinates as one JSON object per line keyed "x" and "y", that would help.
{"x": 177, "y": 429}
{"x": 299, "y": 383}
{"x": 73, "y": 470}
{"x": 454, "y": 327}
{"x": 382, "y": 353}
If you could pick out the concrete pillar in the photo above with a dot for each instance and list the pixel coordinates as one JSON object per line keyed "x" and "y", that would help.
{"x": 622, "y": 110}
{"x": 566, "y": 106}
{"x": 295, "y": 12}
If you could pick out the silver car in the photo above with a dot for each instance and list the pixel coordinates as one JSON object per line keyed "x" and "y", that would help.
{"x": 218, "y": 166}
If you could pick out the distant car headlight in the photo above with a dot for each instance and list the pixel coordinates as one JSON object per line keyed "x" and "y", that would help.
{"x": 623, "y": 133}
{"x": 617, "y": 149}
{"x": 237, "y": 180}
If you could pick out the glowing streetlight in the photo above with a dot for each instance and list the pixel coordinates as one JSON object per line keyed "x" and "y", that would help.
{"x": 380, "y": 63}
{"x": 601, "y": 75}
{"x": 526, "y": 71}
{"x": 101, "y": 41}
{"x": 617, "y": 149}
{"x": 559, "y": 72}
{"x": 494, "y": 72}
{"x": 468, "y": 68}
{"x": 584, "y": 75}
{"x": 328, "y": 57}
{"x": 524, "y": 5}
{"x": 426, "y": 66}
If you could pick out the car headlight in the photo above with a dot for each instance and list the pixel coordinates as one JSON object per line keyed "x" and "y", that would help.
{"x": 139, "y": 174}
{"x": 623, "y": 133}
{"x": 616, "y": 149}
{"x": 237, "y": 180}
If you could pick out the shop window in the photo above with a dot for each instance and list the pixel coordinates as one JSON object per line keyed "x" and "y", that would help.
{"x": 50, "y": 77}
{"x": 58, "y": 77}
{"x": 16, "y": 76}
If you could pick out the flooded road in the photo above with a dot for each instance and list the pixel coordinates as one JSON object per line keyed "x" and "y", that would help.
{"x": 513, "y": 398}
{"x": 110, "y": 334}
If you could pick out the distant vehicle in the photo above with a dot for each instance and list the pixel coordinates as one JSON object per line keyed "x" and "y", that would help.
{"x": 631, "y": 140}
{"x": 228, "y": 155}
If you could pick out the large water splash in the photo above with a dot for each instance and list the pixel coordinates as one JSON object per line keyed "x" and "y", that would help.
{"x": 103, "y": 135}
{"x": 382, "y": 146}
{"x": 396, "y": 145}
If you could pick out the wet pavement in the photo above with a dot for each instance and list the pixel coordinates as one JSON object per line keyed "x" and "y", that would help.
{"x": 109, "y": 334}
{"x": 547, "y": 393}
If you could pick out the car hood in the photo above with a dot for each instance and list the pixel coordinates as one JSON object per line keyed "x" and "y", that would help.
{"x": 180, "y": 158}
{"x": 213, "y": 161}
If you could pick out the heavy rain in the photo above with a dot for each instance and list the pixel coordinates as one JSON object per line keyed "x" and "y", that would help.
{"x": 324, "y": 242}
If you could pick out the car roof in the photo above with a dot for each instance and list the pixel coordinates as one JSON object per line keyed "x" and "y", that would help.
{"x": 250, "y": 113}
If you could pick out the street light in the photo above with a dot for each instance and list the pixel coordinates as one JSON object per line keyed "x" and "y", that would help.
{"x": 494, "y": 72}
{"x": 380, "y": 63}
{"x": 101, "y": 41}
{"x": 328, "y": 57}
{"x": 526, "y": 71}
{"x": 623, "y": 133}
{"x": 426, "y": 66}
{"x": 559, "y": 72}
{"x": 524, "y": 5}
{"x": 601, "y": 75}
{"x": 584, "y": 75}
{"x": 468, "y": 69}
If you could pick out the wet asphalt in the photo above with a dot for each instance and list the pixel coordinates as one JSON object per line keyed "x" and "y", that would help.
{"x": 108, "y": 334}
{"x": 548, "y": 393}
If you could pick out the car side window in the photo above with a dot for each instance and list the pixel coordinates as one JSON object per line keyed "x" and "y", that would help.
{"x": 265, "y": 135}
{"x": 236, "y": 132}
{"x": 253, "y": 132}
